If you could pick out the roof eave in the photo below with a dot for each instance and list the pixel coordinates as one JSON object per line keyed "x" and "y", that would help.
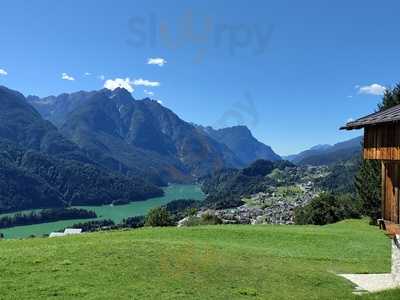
{"x": 352, "y": 127}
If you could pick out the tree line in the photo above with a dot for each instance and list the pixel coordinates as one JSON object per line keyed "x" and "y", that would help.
{"x": 45, "y": 216}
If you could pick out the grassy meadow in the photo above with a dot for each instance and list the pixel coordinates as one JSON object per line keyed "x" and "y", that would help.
{"x": 212, "y": 262}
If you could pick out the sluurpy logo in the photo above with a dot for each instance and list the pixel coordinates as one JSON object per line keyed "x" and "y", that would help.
{"x": 243, "y": 112}
{"x": 200, "y": 33}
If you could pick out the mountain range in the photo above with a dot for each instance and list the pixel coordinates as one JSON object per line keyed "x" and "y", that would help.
{"x": 91, "y": 148}
{"x": 328, "y": 154}
{"x": 132, "y": 136}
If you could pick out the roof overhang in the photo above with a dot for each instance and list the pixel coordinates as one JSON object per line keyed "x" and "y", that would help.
{"x": 387, "y": 116}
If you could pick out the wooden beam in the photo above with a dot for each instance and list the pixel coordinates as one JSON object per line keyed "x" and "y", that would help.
{"x": 396, "y": 193}
{"x": 383, "y": 189}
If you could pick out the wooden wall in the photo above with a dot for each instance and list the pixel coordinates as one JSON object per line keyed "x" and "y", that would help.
{"x": 390, "y": 191}
{"x": 382, "y": 142}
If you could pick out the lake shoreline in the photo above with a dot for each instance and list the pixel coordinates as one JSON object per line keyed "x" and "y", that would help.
{"x": 114, "y": 212}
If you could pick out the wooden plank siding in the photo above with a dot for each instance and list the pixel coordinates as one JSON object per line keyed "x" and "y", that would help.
{"x": 382, "y": 142}
{"x": 391, "y": 184}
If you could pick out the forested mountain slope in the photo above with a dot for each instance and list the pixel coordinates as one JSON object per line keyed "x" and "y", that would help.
{"x": 42, "y": 168}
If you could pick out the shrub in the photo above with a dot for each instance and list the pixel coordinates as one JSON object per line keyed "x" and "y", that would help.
{"x": 191, "y": 212}
{"x": 182, "y": 208}
{"x": 210, "y": 219}
{"x": 133, "y": 222}
{"x": 205, "y": 219}
{"x": 158, "y": 216}
{"x": 328, "y": 208}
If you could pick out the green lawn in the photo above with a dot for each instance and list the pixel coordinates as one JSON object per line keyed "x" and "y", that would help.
{"x": 215, "y": 262}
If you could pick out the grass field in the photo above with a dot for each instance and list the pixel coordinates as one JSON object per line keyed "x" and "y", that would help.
{"x": 215, "y": 262}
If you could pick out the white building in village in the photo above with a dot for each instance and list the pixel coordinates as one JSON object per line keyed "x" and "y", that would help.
{"x": 67, "y": 231}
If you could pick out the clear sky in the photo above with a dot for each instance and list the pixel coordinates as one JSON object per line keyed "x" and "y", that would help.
{"x": 293, "y": 71}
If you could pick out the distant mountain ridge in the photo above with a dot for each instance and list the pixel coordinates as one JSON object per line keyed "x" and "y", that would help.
{"x": 56, "y": 108}
{"x": 328, "y": 154}
{"x": 240, "y": 141}
{"x": 132, "y": 135}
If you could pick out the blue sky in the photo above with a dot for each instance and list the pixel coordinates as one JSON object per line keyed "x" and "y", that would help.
{"x": 293, "y": 71}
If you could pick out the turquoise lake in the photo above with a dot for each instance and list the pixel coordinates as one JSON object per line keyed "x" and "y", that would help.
{"x": 115, "y": 213}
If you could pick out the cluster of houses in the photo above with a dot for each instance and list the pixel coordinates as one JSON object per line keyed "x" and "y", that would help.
{"x": 266, "y": 209}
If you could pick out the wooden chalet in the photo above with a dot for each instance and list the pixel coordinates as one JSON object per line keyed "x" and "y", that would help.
{"x": 382, "y": 142}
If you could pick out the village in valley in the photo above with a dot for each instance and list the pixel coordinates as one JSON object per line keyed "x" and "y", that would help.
{"x": 294, "y": 187}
